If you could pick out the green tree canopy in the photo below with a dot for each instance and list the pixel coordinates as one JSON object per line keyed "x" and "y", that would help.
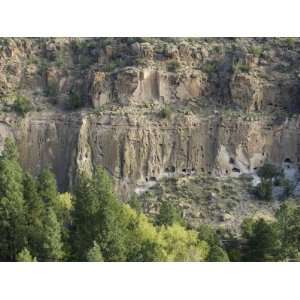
{"x": 12, "y": 210}
{"x": 168, "y": 214}
{"x": 264, "y": 243}
{"x": 25, "y": 256}
{"x": 52, "y": 241}
{"x": 98, "y": 216}
{"x": 94, "y": 254}
{"x": 34, "y": 214}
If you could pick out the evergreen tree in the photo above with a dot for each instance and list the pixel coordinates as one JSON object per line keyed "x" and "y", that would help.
{"x": 98, "y": 216}
{"x": 94, "y": 254}
{"x": 288, "y": 218}
{"x": 52, "y": 242}
{"x": 168, "y": 215}
{"x": 217, "y": 254}
{"x": 266, "y": 173}
{"x": 264, "y": 243}
{"x": 47, "y": 188}
{"x": 12, "y": 211}
{"x": 34, "y": 215}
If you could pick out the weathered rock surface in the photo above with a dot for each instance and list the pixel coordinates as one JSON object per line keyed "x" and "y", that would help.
{"x": 234, "y": 104}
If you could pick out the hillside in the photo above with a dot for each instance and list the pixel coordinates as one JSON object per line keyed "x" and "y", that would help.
{"x": 149, "y": 109}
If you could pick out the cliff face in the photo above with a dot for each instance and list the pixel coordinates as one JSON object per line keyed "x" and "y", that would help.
{"x": 151, "y": 109}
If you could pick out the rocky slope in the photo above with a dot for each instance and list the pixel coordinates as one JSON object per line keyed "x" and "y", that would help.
{"x": 151, "y": 108}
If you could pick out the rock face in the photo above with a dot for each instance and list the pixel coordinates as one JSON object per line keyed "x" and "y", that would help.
{"x": 145, "y": 150}
{"x": 233, "y": 104}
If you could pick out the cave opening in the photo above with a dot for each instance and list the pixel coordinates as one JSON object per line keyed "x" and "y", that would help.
{"x": 236, "y": 170}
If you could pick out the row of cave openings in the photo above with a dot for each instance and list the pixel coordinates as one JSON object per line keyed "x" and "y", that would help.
{"x": 288, "y": 162}
{"x": 192, "y": 171}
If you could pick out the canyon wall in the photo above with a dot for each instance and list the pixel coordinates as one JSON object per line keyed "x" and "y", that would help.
{"x": 218, "y": 106}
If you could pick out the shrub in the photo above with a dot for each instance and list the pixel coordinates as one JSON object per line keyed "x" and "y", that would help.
{"x": 22, "y": 105}
{"x": 288, "y": 187}
{"x": 25, "y": 256}
{"x": 264, "y": 190}
{"x": 257, "y": 51}
{"x": 290, "y": 42}
{"x": 110, "y": 66}
{"x": 135, "y": 204}
{"x": 75, "y": 100}
{"x": 166, "y": 112}
{"x": 217, "y": 254}
{"x": 173, "y": 66}
{"x": 168, "y": 215}
{"x": 240, "y": 67}
{"x": 52, "y": 89}
{"x": 210, "y": 67}
{"x": 268, "y": 171}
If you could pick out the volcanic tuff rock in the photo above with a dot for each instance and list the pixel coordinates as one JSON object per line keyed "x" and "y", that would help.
{"x": 151, "y": 108}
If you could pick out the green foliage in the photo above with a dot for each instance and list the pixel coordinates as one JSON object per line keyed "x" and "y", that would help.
{"x": 25, "y": 256}
{"x": 10, "y": 151}
{"x": 52, "y": 89}
{"x": 142, "y": 241}
{"x": 210, "y": 67}
{"x": 263, "y": 243}
{"x": 273, "y": 241}
{"x": 94, "y": 254}
{"x": 38, "y": 223}
{"x": 264, "y": 190}
{"x": 267, "y": 173}
{"x": 208, "y": 234}
{"x": 217, "y": 254}
{"x": 119, "y": 62}
{"x": 75, "y": 100}
{"x": 247, "y": 228}
{"x": 135, "y": 204}
{"x": 12, "y": 208}
{"x": 168, "y": 214}
{"x": 256, "y": 50}
{"x": 288, "y": 187}
{"x": 290, "y": 42}
{"x": 173, "y": 66}
{"x": 52, "y": 242}
{"x": 98, "y": 216}
{"x": 289, "y": 232}
{"x": 47, "y": 188}
{"x": 166, "y": 112}
{"x": 34, "y": 215}
{"x": 22, "y": 105}
{"x": 240, "y": 67}
{"x": 179, "y": 244}
{"x": 109, "y": 67}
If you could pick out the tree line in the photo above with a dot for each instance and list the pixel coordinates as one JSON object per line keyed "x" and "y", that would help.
{"x": 37, "y": 223}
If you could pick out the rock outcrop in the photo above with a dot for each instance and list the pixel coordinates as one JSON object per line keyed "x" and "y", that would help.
{"x": 233, "y": 105}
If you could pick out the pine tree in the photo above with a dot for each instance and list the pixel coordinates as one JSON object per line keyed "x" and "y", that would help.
{"x": 98, "y": 216}
{"x": 47, "y": 188}
{"x": 263, "y": 243}
{"x": 12, "y": 211}
{"x": 94, "y": 254}
{"x": 52, "y": 242}
{"x": 34, "y": 214}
